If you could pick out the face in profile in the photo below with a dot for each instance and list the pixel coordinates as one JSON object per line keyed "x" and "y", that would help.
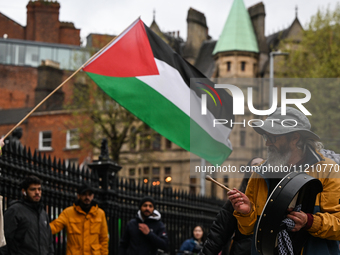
{"x": 198, "y": 233}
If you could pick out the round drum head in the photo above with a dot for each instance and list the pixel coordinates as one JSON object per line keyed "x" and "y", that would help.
{"x": 296, "y": 187}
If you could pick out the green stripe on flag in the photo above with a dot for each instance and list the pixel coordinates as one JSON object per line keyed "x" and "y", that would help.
{"x": 162, "y": 115}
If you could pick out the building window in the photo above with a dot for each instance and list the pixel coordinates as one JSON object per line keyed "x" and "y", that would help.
{"x": 146, "y": 170}
{"x": 242, "y": 138}
{"x": 145, "y": 139}
{"x": 72, "y": 139}
{"x": 167, "y": 170}
{"x": 133, "y": 138}
{"x": 72, "y": 162}
{"x": 167, "y": 144}
{"x": 45, "y": 140}
{"x": 155, "y": 171}
{"x": 243, "y": 66}
{"x": 228, "y": 66}
{"x": 132, "y": 172}
{"x": 156, "y": 143}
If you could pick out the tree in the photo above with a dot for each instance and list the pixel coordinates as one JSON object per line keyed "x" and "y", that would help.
{"x": 318, "y": 56}
{"x": 98, "y": 116}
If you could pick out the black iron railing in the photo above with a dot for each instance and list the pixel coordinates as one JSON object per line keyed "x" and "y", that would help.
{"x": 117, "y": 197}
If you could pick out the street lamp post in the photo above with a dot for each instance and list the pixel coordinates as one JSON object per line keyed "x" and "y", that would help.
{"x": 202, "y": 192}
{"x": 271, "y": 73}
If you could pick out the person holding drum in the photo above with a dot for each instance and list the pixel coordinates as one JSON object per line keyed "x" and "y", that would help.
{"x": 315, "y": 229}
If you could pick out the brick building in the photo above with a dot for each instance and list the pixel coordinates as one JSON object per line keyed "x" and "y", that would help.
{"x": 43, "y": 25}
{"x": 33, "y": 61}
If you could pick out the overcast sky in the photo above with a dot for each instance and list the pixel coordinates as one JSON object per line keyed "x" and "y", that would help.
{"x": 113, "y": 16}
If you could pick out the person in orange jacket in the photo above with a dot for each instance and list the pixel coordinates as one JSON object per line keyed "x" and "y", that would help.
{"x": 86, "y": 225}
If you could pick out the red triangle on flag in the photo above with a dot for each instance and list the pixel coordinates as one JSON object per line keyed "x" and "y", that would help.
{"x": 130, "y": 56}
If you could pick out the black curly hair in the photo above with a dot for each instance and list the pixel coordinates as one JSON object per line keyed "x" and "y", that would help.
{"x": 31, "y": 179}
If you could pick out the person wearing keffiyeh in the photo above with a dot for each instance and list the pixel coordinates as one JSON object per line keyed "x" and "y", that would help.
{"x": 290, "y": 142}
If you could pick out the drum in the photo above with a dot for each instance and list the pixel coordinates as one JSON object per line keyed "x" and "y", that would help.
{"x": 294, "y": 189}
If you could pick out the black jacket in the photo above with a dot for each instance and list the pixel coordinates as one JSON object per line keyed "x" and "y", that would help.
{"x": 223, "y": 229}
{"x": 27, "y": 230}
{"x": 134, "y": 242}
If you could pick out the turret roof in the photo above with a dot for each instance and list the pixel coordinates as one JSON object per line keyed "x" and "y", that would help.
{"x": 238, "y": 32}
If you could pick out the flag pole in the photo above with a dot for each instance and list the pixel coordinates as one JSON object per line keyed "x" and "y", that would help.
{"x": 62, "y": 84}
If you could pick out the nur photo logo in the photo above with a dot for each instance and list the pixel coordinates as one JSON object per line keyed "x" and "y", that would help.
{"x": 239, "y": 103}
{"x": 204, "y": 97}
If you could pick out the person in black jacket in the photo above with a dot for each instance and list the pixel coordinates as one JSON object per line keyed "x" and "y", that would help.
{"x": 144, "y": 234}
{"x": 27, "y": 228}
{"x": 224, "y": 229}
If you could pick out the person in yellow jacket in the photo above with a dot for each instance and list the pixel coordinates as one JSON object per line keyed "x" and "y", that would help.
{"x": 290, "y": 142}
{"x": 85, "y": 222}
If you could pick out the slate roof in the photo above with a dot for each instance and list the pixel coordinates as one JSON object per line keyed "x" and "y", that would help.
{"x": 205, "y": 61}
{"x": 273, "y": 40}
{"x": 13, "y": 116}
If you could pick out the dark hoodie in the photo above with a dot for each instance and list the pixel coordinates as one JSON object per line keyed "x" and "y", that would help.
{"x": 134, "y": 242}
{"x": 27, "y": 230}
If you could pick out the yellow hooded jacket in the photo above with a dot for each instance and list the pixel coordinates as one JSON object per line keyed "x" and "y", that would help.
{"x": 87, "y": 234}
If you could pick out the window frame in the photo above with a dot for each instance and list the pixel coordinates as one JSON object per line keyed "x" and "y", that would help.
{"x": 42, "y": 140}
{"x": 69, "y": 137}
{"x": 243, "y": 66}
{"x": 228, "y": 66}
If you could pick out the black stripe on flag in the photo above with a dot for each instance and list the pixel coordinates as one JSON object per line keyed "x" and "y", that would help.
{"x": 165, "y": 53}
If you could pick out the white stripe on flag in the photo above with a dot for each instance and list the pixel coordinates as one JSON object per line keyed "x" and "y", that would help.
{"x": 170, "y": 84}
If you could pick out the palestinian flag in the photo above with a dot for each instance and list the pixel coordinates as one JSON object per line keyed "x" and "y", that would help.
{"x": 144, "y": 75}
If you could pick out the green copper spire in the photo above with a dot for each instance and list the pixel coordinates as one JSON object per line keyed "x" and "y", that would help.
{"x": 238, "y": 32}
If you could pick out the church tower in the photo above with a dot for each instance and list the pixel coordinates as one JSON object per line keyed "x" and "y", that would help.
{"x": 236, "y": 51}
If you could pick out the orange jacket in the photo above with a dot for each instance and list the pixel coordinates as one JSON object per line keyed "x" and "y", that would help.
{"x": 87, "y": 234}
